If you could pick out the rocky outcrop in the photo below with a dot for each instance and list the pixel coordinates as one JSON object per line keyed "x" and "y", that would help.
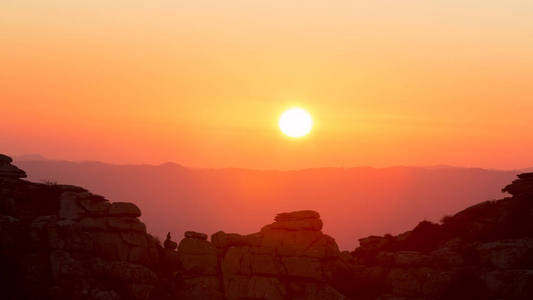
{"x": 200, "y": 268}
{"x": 482, "y": 252}
{"x": 63, "y": 242}
{"x": 288, "y": 259}
{"x": 523, "y": 186}
{"x": 7, "y": 170}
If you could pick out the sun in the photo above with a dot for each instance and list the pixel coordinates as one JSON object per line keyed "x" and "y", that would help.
{"x": 295, "y": 122}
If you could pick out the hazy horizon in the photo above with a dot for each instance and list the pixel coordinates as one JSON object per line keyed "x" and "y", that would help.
{"x": 37, "y": 157}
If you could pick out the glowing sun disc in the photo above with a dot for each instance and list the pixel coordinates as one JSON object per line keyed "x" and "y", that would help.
{"x": 295, "y": 122}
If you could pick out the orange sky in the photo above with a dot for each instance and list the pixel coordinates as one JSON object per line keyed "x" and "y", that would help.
{"x": 202, "y": 83}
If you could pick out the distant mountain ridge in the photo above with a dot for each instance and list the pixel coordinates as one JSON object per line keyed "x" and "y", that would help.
{"x": 354, "y": 202}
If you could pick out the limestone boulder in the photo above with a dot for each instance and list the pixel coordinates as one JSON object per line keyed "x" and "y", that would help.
{"x": 293, "y": 243}
{"x": 419, "y": 282}
{"x": 134, "y": 238}
{"x": 92, "y": 224}
{"x": 200, "y": 288}
{"x": 169, "y": 260}
{"x": 137, "y": 291}
{"x": 297, "y": 215}
{"x": 222, "y": 240}
{"x": 288, "y": 249}
{"x": 195, "y": 246}
{"x": 124, "y": 209}
{"x": 295, "y": 225}
{"x": 109, "y": 245}
{"x": 63, "y": 265}
{"x": 195, "y": 235}
{"x": 69, "y": 206}
{"x": 303, "y": 267}
{"x": 67, "y": 235}
{"x": 126, "y": 223}
{"x": 410, "y": 259}
{"x": 297, "y": 220}
{"x": 125, "y": 272}
{"x": 198, "y": 257}
{"x": 446, "y": 258}
{"x": 506, "y": 254}
{"x": 313, "y": 291}
{"x": 244, "y": 261}
{"x": 94, "y": 205}
{"x": 254, "y": 287}
{"x": 102, "y": 294}
{"x": 510, "y": 284}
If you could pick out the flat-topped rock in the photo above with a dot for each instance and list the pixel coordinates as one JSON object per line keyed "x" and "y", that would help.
{"x": 295, "y": 221}
{"x": 124, "y": 209}
{"x": 291, "y": 249}
{"x": 195, "y": 235}
{"x": 297, "y": 215}
{"x": 296, "y": 225}
{"x": 221, "y": 239}
{"x": 70, "y": 188}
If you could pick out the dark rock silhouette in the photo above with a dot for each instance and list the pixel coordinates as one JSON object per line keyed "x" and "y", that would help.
{"x": 288, "y": 259}
{"x": 8, "y": 170}
{"x": 63, "y": 242}
{"x": 195, "y": 235}
{"x": 482, "y": 252}
{"x": 522, "y": 186}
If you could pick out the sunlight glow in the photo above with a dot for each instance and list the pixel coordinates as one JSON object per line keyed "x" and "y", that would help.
{"x": 295, "y": 122}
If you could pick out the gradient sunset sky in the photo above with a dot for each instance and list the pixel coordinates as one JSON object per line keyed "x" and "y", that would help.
{"x": 203, "y": 83}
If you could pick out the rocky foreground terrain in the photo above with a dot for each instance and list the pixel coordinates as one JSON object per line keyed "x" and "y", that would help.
{"x": 63, "y": 242}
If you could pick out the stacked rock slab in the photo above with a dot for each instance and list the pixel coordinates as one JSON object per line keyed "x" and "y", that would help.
{"x": 91, "y": 238}
{"x": 200, "y": 277}
{"x": 288, "y": 259}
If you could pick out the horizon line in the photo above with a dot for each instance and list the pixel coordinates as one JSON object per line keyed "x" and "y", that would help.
{"x": 38, "y": 157}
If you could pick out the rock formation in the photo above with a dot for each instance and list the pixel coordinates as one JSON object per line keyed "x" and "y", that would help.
{"x": 288, "y": 259}
{"x": 7, "y": 170}
{"x": 66, "y": 243}
{"x": 482, "y": 252}
{"x": 63, "y": 242}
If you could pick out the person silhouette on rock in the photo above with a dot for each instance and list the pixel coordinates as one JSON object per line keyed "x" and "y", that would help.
{"x": 169, "y": 243}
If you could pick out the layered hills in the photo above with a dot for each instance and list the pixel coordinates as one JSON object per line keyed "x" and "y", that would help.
{"x": 373, "y": 200}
